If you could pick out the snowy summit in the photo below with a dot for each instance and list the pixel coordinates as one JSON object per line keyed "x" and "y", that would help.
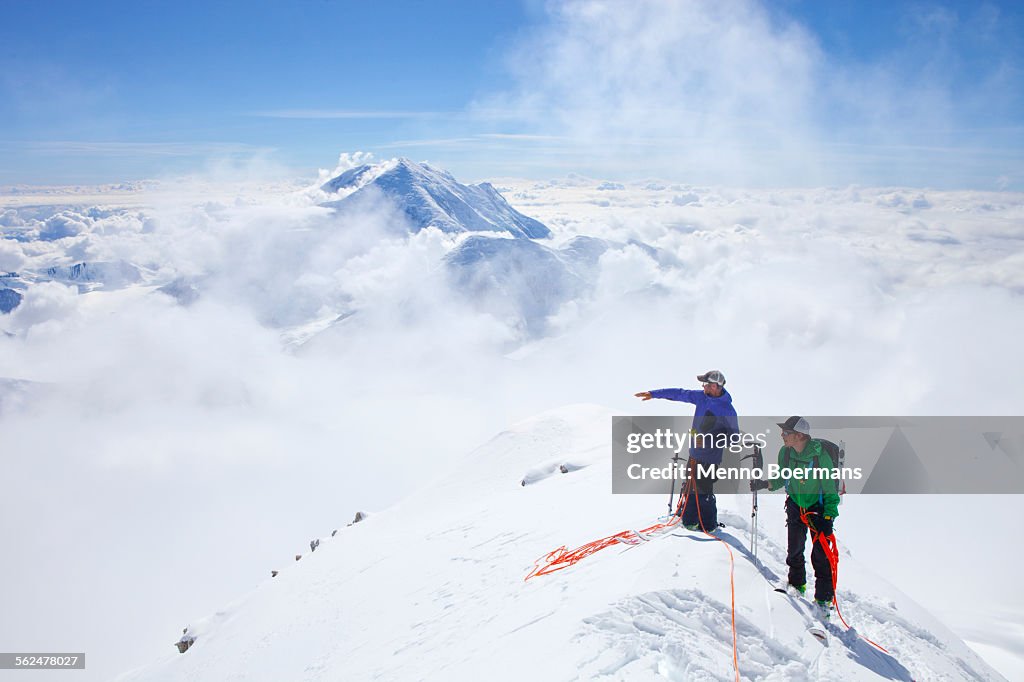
{"x": 430, "y": 196}
{"x": 436, "y": 588}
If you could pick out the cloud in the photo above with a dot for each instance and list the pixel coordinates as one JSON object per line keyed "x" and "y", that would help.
{"x": 11, "y": 256}
{"x": 117, "y": 148}
{"x": 44, "y": 309}
{"x": 710, "y": 84}
{"x": 330, "y": 114}
{"x": 61, "y": 226}
{"x": 742, "y": 94}
{"x": 627, "y": 270}
{"x": 346, "y": 161}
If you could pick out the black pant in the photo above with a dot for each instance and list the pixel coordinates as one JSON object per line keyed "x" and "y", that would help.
{"x": 823, "y": 590}
{"x": 700, "y": 508}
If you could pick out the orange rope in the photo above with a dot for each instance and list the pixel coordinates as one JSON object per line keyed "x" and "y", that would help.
{"x": 563, "y": 558}
{"x": 732, "y": 586}
{"x": 828, "y": 543}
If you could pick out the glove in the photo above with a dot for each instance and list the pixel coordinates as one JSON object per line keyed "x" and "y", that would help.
{"x": 822, "y": 524}
{"x": 758, "y": 485}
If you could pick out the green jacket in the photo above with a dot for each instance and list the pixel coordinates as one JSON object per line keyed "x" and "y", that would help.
{"x": 807, "y": 492}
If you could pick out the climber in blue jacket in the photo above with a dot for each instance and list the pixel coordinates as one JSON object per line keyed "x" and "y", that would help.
{"x": 714, "y": 416}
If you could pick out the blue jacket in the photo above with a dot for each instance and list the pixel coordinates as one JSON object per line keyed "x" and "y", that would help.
{"x": 711, "y": 416}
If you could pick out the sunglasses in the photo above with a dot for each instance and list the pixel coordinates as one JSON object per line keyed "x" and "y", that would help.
{"x": 787, "y": 432}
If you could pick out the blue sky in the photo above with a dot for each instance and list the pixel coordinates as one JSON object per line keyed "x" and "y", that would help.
{"x": 738, "y": 93}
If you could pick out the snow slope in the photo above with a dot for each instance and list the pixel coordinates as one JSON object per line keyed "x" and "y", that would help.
{"x": 434, "y": 589}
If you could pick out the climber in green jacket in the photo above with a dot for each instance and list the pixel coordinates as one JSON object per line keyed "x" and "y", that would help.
{"x": 812, "y": 503}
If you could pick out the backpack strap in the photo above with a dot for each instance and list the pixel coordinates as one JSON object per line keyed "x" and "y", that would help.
{"x": 817, "y": 465}
{"x": 821, "y": 486}
{"x": 785, "y": 465}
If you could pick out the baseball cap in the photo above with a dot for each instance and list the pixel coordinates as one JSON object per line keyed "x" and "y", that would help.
{"x": 798, "y": 424}
{"x": 712, "y": 376}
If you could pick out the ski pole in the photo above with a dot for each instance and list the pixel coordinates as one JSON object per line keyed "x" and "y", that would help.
{"x": 758, "y": 462}
{"x": 672, "y": 492}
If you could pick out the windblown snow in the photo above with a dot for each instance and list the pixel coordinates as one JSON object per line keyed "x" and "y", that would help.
{"x": 433, "y": 589}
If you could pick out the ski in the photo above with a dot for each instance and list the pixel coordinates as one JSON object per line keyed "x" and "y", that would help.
{"x": 817, "y": 631}
{"x": 782, "y": 587}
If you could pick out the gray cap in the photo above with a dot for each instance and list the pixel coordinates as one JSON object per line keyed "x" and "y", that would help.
{"x": 712, "y": 376}
{"x": 798, "y": 424}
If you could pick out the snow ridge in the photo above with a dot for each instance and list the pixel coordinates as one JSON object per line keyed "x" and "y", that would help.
{"x": 434, "y": 589}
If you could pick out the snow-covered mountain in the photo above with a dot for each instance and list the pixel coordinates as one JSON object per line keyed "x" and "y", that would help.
{"x": 115, "y": 274}
{"x": 10, "y": 297}
{"x": 86, "y": 276}
{"x": 514, "y": 279}
{"x": 434, "y": 589}
{"x": 9, "y": 300}
{"x": 431, "y": 196}
{"x": 497, "y": 265}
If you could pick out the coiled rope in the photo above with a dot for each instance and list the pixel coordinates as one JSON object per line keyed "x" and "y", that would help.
{"x": 563, "y": 558}
{"x": 828, "y": 543}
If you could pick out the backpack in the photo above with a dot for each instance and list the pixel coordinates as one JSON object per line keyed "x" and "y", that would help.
{"x": 838, "y": 455}
{"x": 836, "y": 452}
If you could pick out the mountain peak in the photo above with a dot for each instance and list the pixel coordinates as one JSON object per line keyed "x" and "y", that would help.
{"x": 431, "y": 196}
